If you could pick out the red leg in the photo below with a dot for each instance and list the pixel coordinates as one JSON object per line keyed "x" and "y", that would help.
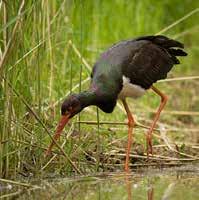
{"x": 164, "y": 99}
{"x": 130, "y": 134}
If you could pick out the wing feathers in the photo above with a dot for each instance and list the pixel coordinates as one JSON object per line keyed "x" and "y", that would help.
{"x": 167, "y": 44}
{"x": 162, "y": 41}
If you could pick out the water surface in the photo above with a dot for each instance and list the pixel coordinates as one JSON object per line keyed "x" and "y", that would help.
{"x": 151, "y": 184}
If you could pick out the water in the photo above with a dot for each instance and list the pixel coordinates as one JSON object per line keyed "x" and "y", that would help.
{"x": 166, "y": 184}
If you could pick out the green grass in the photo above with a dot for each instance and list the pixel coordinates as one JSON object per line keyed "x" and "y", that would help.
{"x": 42, "y": 68}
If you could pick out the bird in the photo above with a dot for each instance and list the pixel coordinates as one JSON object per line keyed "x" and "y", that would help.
{"x": 128, "y": 68}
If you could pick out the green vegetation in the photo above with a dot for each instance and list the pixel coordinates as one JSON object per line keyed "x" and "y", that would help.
{"x": 39, "y": 67}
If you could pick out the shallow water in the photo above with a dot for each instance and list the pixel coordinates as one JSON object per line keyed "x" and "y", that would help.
{"x": 151, "y": 184}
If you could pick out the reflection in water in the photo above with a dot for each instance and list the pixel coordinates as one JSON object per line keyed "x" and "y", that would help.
{"x": 128, "y": 181}
{"x": 150, "y": 193}
{"x": 128, "y": 186}
{"x": 150, "y": 186}
{"x": 169, "y": 190}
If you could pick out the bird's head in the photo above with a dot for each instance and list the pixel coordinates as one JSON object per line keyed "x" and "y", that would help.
{"x": 70, "y": 107}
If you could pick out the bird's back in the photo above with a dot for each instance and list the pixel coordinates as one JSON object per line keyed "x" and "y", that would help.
{"x": 108, "y": 70}
{"x": 143, "y": 61}
{"x": 152, "y": 61}
{"x": 152, "y": 55}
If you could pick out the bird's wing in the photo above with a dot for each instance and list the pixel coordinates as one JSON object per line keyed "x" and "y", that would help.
{"x": 152, "y": 61}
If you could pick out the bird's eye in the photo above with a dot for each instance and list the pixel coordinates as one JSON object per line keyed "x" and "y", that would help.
{"x": 70, "y": 108}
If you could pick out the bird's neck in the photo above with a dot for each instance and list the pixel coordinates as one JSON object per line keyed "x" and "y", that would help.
{"x": 105, "y": 103}
{"x": 87, "y": 98}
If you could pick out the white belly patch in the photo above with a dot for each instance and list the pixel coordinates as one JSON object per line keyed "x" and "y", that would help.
{"x": 130, "y": 90}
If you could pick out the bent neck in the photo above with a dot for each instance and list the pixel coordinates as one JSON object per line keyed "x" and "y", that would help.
{"x": 105, "y": 103}
{"x": 87, "y": 98}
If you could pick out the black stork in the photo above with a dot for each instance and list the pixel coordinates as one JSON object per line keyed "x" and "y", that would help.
{"x": 127, "y": 69}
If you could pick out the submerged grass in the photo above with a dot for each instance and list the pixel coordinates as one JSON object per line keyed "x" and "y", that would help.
{"x": 52, "y": 46}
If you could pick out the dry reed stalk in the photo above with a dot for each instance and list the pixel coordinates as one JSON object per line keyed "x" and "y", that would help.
{"x": 178, "y": 79}
{"x": 174, "y": 129}
{"x": 11, "y": 195}
{"x": 154, "y": 157}
{"x": 17, "y": 183}
{"x": 113, "y": 123}
{"x": 147, "y": 164}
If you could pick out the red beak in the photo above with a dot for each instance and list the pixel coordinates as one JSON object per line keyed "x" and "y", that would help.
{"x": 63, "y": 121}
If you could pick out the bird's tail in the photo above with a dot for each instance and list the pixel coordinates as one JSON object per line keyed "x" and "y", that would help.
{"x": 168, "y": 44}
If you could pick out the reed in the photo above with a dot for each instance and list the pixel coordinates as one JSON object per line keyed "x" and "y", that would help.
{"x": 47, "y": 51}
